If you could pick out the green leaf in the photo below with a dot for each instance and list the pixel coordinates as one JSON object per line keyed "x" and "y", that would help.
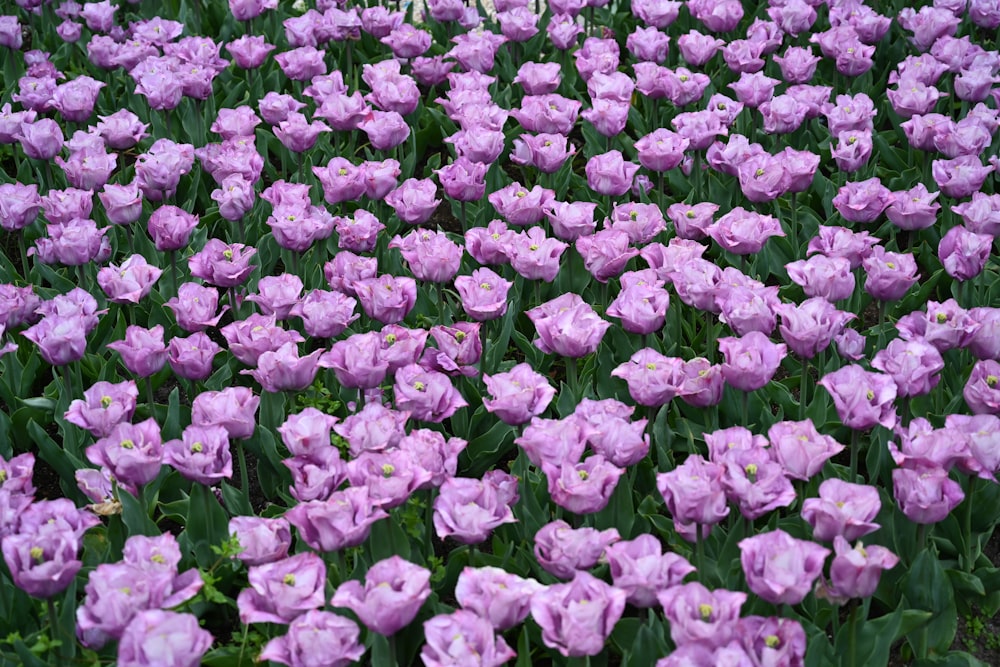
{"x": 207, "y": 523}
{"x": 135, "y": 517}
{"x": 928, "y": 588}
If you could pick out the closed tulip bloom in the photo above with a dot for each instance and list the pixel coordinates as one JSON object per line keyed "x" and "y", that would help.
{"x": 889, "y": 274}
{"x": 263, "y": 540}
{"x": 925, "y": 495}
{"x": 606, "y": 253}
{"x": 821, "y": 276}
{"x": 356, "y": 361}
{"x": 661, "y": 150}
{"x": 19, "y": 205}
{"x": 60, "y": 340}
{"x": 811, "y": 326}
{"x": 250, "y": 338}
{"x": 800, "y": 449}
{"x": 493, "y": 594}
{"x": 387, "y": 298}
{"x": 171, "y": 227}
{"x": 842, "y": 509}
{"x": 393, "y": 592}
{"x": 863, "y": 201}
{"x": 750, "y": 361}
{"x": 960, "y": 177}
{"x": 465, "y": 638}
{"x": 913, "y": 365}
{"x": 340, "y": 521}
{"x": 518, "y": 395}
{"x": 780, "y": 568}
{"x": 325, "y": 314}
{"x": 577, "y": 618}
{"x": 192, "y": 357}
{"x": 284, "y": 369}
{"x": 610, "y": 174}
{"x": 234, "y": 408}
{"x": 154, "y": 633}
{"x": 463, "y": 180}
{"x": 414, "y": 200}
{"x": 964, "y": 253}
{"x": 653, "y": 379}
{"x": 552, "y": 441}
{"x": 641, "y": 308}
{"x": 567, "y": 326}
{"x": 641, "y": 569}
{"x": 195, "y": 307}
{"x": 40, "y": 140}
{"x": 545, "y": 152}
{"x": 130, "y": 282}
{"x": 693, "y": 493}
{"x": 142, "y": 350}
{"x": 468, "y": 510}
{"x": 431, "y": 256}
{"x": 743, "y": 232}
{"x": 313, "y": 634}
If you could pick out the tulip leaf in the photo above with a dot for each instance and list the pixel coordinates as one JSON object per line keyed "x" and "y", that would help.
{"x": 952, "y": 659}
{"x": 135, "y": 517}
{"x": 927, "y": 588}
{"x": 207, "y": 523}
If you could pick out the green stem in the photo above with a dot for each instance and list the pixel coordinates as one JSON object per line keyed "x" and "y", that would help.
{"x": 57, "y": 632}
{"x": 969, "y": 541}
{"x": 150, "y": 398}
{"x": 803, "y": 388}
{"x": 853, "y": 636}
{"x": 244, "y": 474}
{"x": 855, "y": 444}
{"x": 571, "y": 377}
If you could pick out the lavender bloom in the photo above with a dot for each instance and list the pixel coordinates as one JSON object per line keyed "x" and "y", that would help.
{"x": 104, "y": 406}
{"x": 697, "y": 614}
{"x": 567, "y": 326}
{"x": 863, "y": 399}
{"x": 262, "y": 540}
{"x": 284, "y": 369}
{"x": 393, "y": 593}
{"x": 468, "y": 510}
{"x": 154, "y": 633}
{"x": 569, "y": 625}
{"x": 780, "y": 568}
{"x": 641, "y": 569}
{"x": 133, "y": 453}
{"x": 427, "y": 395}
{"x": 501, "y": 598}
{"x": 562, "y": 550}
{"x": 282, "y": 590}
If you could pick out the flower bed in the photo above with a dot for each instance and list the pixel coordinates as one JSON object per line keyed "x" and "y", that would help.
{"x": 615, "y": 334}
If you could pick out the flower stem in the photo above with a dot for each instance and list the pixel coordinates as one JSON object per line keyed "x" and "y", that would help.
{"x": 803, "y": 388}
{"x": 57, "y": 631}
{"x": 969, "y": 559}
{"x": 855, "y": 444}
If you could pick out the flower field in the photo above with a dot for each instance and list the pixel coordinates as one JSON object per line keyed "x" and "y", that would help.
{"x": 586, "y": 332}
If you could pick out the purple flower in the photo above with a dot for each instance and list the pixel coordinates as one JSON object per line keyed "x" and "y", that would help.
{"x": 262, "y": 540}
{"x": 925, "y": 495}
{"x": 501, "y": 598}
{"x": 233, "y": 408}
{"x": 641, "y": 569}
{"x": 154, "y": 633}
{"x": 546, "y": 152}
{"x": 104, "y": 406}
{"x": 562, "y": 550}
{"x": 772, "y": 641}
{"x": 535, "y": 256}
{"x": 610, "y": 174}
{"x": 697, "y": 614}
{"x": 863, "y": 201}
{"x": 414, "y": 200}
{"x": 132, "y": 452}
{"x": 484, "y": 294}
{"x": 855, "y": 572}
{"x": 693, "y": 493}
{"x": 960, "y": 176}
{"x": 340, "y": 521}
{"x": 427, "y": 395}
{"x": 463, "y": 179}
{"x": 780, "y": 568}
{"x": 387, "y": 298}
{"x": 605, "y": 253}
{"x": 913, "y": 365}
{"x": 313, "y": 634}
{"x": 811, "y": 326}
{"x": 800, "y": 448}
{"x": 192, "y": 357}
{"x": 195, "y": 307}
{"x": 465, "y": 638}
{"x": 143, "y": 351}
{"x": 431, "y": 452}
{"x": 862, "y": 398}
{"x": 393, "y": 593}
{"x": 171, "y": 227}
{"x": 982, "y": 390}
{"x": 577, "y": 618}
{"x": 889, "y": 274}
{"x": 202, "y": 455}
{"x": 552, "y": 441}
{"x": 750, "y": 361}
{"x": 567, "y": 326}
{"x": 42, "y": 563}
{"x": 641, "y": 308}
{"x": 822, "y": 276}
{"x": 284, "y": 369}
{"x": 357, "y": 361}
{"x": 743, "y": 232}
{"x": 468, "y": 510}
{"x": 221, "y": 264}
{"x": 431, "y": 256}
{"x": 282, "y": 590}
{"x": 755, "y": 483}
{"x": 964, "y": 253}
{"x": 653, "y": 379}
{"x": 250, "y": 338}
